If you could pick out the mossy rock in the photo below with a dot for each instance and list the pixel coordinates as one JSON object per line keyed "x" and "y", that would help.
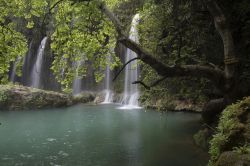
{"x": 233, "y": 131}
{"x": 233, "y": 159}
{"x": 84, "y": 98}
{"x": 16, "y": 97}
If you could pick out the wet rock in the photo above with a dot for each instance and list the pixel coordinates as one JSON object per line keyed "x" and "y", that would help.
{"x": 16, "y": 97}
{"x": 84, "y": 97}
{"x": 233, "y": 159}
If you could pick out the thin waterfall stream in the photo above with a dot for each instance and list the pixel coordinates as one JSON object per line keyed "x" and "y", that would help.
{"x": 108, "y": 92}
{"x": 37, "y": 68}
{"x": 13, "y": 72}
{"x": 77, "y": 83}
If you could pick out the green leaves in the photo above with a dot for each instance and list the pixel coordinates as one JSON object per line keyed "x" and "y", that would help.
{"x": 30, "y": 24}
{"x": 81, "y": 34}
{"x": 80, "y": 37}
{"x": 12, "y": 45}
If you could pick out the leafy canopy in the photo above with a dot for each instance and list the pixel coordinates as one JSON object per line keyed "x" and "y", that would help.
{"x": 81, "y": 36}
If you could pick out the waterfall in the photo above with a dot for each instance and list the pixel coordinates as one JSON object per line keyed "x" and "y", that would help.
{"x": 77, "y": 83}
{"x": 37, "y": 68}
{"x": 26, "y": 69}
{"x": 108, "y": 92}
{"x": 13, "y": 72}
{"x": 131, "y": 92}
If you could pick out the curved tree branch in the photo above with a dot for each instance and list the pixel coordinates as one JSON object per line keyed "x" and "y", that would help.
{"x": 152, "y": 85}
{"x": 123, "y": 67}
{"x": 142, "y": 83}
{"x": 50, "y": 9}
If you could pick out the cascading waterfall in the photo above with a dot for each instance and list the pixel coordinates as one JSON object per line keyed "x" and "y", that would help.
{"x": 13, "y": 72}
{"x": 108, "y": 92}
{"x": 77, "y": 83}
{"x": 131, "y": 92}
{"x": 37, "y": 68}
{"x": 26, "y": 66}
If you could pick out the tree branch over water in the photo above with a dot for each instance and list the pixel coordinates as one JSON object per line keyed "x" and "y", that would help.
{"x": 123, "y": 67}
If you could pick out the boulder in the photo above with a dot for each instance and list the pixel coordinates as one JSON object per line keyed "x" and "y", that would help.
{"x": 17, "y": 97}
{"x": 233, "y": 159}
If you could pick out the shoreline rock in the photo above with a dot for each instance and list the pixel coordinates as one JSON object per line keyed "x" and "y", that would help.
{"x": 176, "y": 106}
{"x": 17, "y": 97}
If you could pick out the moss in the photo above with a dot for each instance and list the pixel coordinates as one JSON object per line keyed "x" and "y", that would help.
{"x": 16, "y": 97}
{"x": 232, "y": 130}
{"x": 3, "y": 96}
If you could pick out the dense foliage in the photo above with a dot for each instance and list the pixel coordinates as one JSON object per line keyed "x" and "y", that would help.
{"x": 80, "y": 34}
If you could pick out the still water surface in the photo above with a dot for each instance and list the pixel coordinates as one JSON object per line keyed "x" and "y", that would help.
{"x": 99, "y": 136}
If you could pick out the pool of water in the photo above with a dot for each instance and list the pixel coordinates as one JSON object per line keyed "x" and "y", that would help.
{"x": 100, "y": 135}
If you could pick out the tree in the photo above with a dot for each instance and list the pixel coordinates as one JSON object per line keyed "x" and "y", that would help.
{"x": 225, "y": 80}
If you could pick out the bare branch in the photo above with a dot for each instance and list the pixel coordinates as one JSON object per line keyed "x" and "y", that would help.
{"x": 152, "y": 85}
{"x": 50, "y": 9}
{"x": 142, "y": 83}
{"x": 123, "y": 67}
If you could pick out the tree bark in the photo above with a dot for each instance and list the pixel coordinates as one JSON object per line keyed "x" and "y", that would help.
{"x": 230, "y": 57}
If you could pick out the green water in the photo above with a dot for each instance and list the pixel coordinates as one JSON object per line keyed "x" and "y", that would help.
{"x": 99, "y": 136}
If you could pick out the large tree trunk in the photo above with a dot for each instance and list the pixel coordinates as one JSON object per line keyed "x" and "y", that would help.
{"x": 231, "y": 86}
{"x": 230, "y": 58}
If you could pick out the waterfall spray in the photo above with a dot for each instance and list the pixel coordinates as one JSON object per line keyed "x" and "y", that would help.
{"x": 108, "y": 91}
{"x": 131, "y": 91}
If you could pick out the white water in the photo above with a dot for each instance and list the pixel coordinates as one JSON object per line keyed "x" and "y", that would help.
{"x": 131, "y": 91}
{"x": 13, "y": 72}
{"x": 108, "y": 92}
{"x": 77, "y": 83}
{"x": 37, "y": 68}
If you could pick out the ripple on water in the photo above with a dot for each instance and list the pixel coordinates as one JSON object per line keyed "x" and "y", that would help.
{"x": 26, "y": 155}
{"x": 62, "y": 153}
{"x": 51, "y": 139}
{"x": 7, "y": 158}
{"x": 53, "y": 164}
{"x": 52, "y": 157}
